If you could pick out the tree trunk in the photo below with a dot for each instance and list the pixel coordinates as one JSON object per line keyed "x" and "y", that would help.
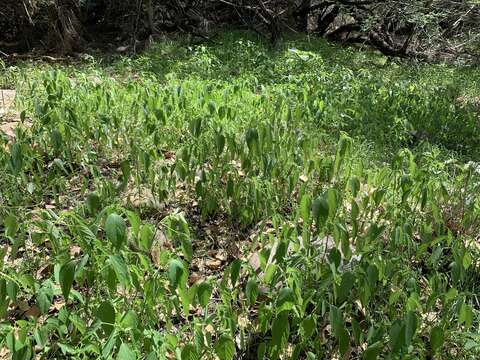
{"x": 151, "y": 17}
{"x": 68, "y": 27}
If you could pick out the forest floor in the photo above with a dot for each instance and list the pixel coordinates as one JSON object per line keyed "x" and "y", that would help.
{"x": 230, "y": 200}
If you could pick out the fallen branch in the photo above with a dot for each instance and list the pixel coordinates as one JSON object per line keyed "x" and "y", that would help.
{"x": 36, "y": 57}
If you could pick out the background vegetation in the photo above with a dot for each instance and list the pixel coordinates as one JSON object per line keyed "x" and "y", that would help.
{"x": 435, "y": 29}
{"x": 296, "y": 202}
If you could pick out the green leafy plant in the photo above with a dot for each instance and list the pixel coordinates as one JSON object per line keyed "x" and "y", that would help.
{"x": 280, "y": 204}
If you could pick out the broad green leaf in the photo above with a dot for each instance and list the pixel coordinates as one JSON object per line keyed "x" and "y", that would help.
{"x": 79, "y": 324}
{"x": 66, "y": 276}
{"x": 120, "y": 268}
{"x": 270, "y": 272}
{"x": 251, "y": 291}
{"x": 372, "y": 352}
{"x": 111, "y": 278}
{"x": 281, "y": 251}
{"x": 11, "y": 225}
{"x": 45, "y": 297}
{"x": 196, "y": 127}
{"x": 320, "y": 211}
{"x": 285, "y": 300}
{"x": 305, "y": 207}
{"x": 343, "y": 148}
{"x": 12, "y": 290}
{"x": 465, "y": 316}
{"x": 339, "y": 330}
{"x": 134, "y": 221}
{"x": 106, "y": 314}
{"x": 251, "y": 136}
{"x": 235, "y": 271}
{"x": 280, "y": 330}
{"x": 129, "y": 320}
{"x": 346, "y": 285}
{"x": 354, "y": 186}
{"x": 125, "y": 353}
{"x": 126, "y": 169}
{"x": 187, "y": 248}
{"x": 116, "y": 230}
{"x": 334, "y": 257}
{"x": 93, "y": 203}
{"x": 261, "y": 351}
{"x": 467, "y": 260}
{"x": 336, "y": 320}
{"x": 204, "y": 291}
{"x": 151, "y": 356}
{"x": 343, "y": 340}
{"x": 355, "y": 210}
{"x": 356, "y": 331}
{"x": 176, "y": 273}
{"x": 189, "y": 353}
{"x": 220, "y": 142}
{"x": 372, "y": 275}
{"x": 88, "y": 237}
{"x": 23, "y": 352}
{"x": 332, "y": 199}
{"x": 308, "y": 326}
{"x": 109, "y": 346}
{"x": 451, "y": 294}
{"x": 225, "y": 347}
{"x": 436, "y": 338}
{"x": 411, "y": 322}
{"x": 230, "y": 187}
{"x": 212, "y": 107}
{"x": 41, "y": 337}
{"x": 146, "y": 237}
{"x": 16, "y": 158}
{"x": 471, "y": 344}
{"x": 397, "y": 336}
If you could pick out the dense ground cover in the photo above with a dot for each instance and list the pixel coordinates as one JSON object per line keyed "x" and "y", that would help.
{"x": 229, "y": 200}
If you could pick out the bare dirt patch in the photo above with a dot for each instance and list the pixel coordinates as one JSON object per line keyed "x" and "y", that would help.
{"x": 7, "y": 99}
{"x": 9, "y": 118}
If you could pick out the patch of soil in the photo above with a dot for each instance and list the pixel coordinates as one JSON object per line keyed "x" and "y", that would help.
{"x": 9, "y": 118}
{"x": 7, "y": 99}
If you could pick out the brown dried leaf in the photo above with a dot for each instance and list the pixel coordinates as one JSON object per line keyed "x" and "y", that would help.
{"x": 213, "y": 264}
{"x": 23, "y": 306}
{"x": 34, "y": 312}
{"x": 9, "y": 128}
{"x": 212, "y": 253}
{"x": 44, "y": 270}
{"x": 160, "y": 242}
{"x": 233, "y": 250}
{"x": 4, "y": 354}
{"x": 7, "y": 99}
{"x": 243, "y": 321}
{"x": 194, "y": 278}
{"x": 75, "y": 250}
{"x": 254, "y": 262}
{"x": 57, "y": 305}
{"x": 209, "y": 328}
